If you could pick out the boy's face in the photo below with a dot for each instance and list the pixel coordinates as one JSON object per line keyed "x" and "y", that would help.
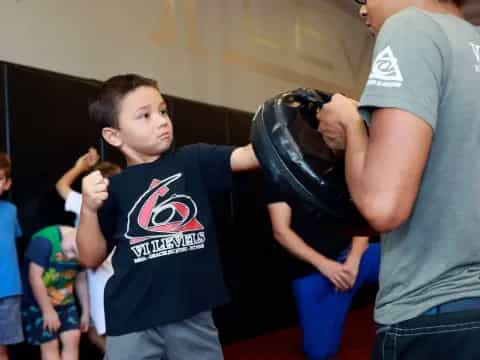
{"x": 375, "y": 12}
{"x": 144, "y": 127}
{"x": 5, "y": 182}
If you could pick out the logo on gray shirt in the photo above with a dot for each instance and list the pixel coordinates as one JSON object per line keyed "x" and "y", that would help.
{"x": 385, "y": 70}
{"x": 476, "y": 52}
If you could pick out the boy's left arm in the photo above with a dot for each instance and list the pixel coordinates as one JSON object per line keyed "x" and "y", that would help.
{"x": 82, "y": 293}
{"x": 244, "y": 159}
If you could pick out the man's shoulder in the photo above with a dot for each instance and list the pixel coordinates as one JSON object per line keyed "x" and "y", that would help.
{"x": 409, "y": 20}
{"x": 415, "y": 31}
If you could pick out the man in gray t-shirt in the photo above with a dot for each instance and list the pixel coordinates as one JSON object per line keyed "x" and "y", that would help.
{"x": 415, "y": 176}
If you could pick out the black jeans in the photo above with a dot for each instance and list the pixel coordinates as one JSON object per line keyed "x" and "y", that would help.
{"x": 444, "y": 336}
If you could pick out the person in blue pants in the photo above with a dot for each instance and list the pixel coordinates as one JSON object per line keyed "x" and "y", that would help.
{"x": 327, "y": 270}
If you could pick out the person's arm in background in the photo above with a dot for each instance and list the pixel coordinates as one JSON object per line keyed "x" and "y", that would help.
{"x": 81, "y": 289}
{"x": 51, "y": 321}
{"x": 351, "y": 265}
{"x": 280, "y": 216}
{"x": 244, "y": 159}
{"x": 82, "y": 165}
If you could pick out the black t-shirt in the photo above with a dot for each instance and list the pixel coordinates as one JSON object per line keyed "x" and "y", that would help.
{"x": 158, "y": 215}
{"x": 329, "y": 244}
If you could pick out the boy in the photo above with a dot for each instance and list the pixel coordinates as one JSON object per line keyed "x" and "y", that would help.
{"x": 97, "y": 278}
{"x": 49, "y": 312}
{"x": 167, "y": 274}
{"x": 10, "y": 285}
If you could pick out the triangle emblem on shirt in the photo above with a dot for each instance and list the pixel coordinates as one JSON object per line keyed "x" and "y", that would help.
{"x": 386, "y": 69}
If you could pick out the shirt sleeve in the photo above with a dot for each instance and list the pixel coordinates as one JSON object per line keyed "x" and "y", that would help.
{"x": 215, "y": 167}
{"x": 407, "y": 71}
{"x": 39, "y": 251}
{"x": 107, "y": 218}
{"x": 73, "y": 202}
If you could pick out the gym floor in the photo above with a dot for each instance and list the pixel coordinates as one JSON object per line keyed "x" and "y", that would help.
{"x": 357, "y": 341}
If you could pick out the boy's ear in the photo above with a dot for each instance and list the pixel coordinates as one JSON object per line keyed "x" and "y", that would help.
{"x": 111, "y": 136}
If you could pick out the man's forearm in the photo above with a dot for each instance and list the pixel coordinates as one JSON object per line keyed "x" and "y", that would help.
{"x": 365, "y": 176}
{"x": 92, "y": 246}
{"x": 355, "y": 159}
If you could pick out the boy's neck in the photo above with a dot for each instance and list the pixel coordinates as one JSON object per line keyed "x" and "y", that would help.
{"x": 138, "y": 159}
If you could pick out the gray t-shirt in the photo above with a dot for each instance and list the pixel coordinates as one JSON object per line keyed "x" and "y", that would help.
{"x": 429, "y": 65}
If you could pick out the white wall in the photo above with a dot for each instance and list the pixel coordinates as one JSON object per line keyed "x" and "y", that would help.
{"x": 235, "y": 53}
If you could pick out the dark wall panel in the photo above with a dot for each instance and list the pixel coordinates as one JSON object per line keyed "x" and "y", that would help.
{"x": 239, "y": 127}
{"x": 49, "y": 131}
{"x": 196, "y": 122}
{"x": 254, "y": 264}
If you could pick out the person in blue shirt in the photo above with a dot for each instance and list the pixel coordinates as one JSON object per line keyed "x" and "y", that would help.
{"x": 10, "y": 286}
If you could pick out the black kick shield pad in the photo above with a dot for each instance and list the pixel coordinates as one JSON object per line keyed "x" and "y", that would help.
{"x": 298, "y": 163}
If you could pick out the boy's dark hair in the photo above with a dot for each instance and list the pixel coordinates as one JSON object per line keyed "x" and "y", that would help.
{"x": 107, "y": 168}
{"x": 104, "y": 109}
{"x": 5, "y": 164}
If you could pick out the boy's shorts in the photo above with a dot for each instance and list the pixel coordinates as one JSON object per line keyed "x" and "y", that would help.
{"x": 33, "y": 323}
{"x": 193, "y": 338}
{"x": 10, "y": 320}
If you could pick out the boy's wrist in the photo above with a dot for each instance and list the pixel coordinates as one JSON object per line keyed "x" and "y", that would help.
{"x": 80, "y": 168}
{"x": 85, "y": 210}
{"x": 353, "y": 259}
{"x": 321, "y": 263}
{"x": 48, "y": 309}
